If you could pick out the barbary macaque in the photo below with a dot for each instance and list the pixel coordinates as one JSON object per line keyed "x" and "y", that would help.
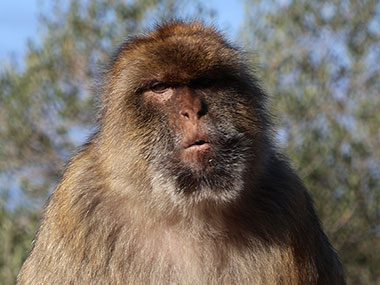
{"x": 182, "y": 182}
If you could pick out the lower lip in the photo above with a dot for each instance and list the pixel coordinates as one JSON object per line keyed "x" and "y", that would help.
{"x": 199, "y": 147}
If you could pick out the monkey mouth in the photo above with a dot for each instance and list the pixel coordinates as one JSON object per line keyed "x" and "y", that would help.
{"x": 195, "y": 152}
{"x": 198, "y": 146}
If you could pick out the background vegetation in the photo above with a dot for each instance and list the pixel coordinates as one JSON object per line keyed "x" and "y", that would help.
{"x": 319, "y": 61}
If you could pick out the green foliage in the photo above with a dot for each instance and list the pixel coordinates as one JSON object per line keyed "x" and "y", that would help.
{"x": 320, "y": 61}
{"x": 17, "y": 229}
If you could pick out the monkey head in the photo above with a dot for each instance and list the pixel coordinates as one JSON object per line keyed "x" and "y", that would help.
{"x": 183, "y": 99}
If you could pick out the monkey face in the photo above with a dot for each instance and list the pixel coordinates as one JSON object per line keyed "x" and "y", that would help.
{"x": 186, "y": 111}
{"x": 202, "y": 144}
{"x": 191, "y": 105}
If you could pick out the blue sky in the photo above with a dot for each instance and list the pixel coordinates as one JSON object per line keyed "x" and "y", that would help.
{"x": 19, "y": 21}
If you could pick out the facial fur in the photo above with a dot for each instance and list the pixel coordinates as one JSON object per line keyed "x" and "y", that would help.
{"x": 176, "y": 72}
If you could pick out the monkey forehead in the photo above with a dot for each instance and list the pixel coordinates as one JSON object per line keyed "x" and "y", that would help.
{"x": 178, "y": 52}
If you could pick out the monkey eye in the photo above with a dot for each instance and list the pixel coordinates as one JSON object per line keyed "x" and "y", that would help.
{"x": 160, "y": 87}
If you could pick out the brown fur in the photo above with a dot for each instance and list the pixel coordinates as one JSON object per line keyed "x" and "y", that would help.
{"x": 136, "y": 207}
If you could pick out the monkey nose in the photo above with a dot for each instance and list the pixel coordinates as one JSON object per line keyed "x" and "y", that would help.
{"x": 190, "y": 114}
{"x": 194, "y": 112}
